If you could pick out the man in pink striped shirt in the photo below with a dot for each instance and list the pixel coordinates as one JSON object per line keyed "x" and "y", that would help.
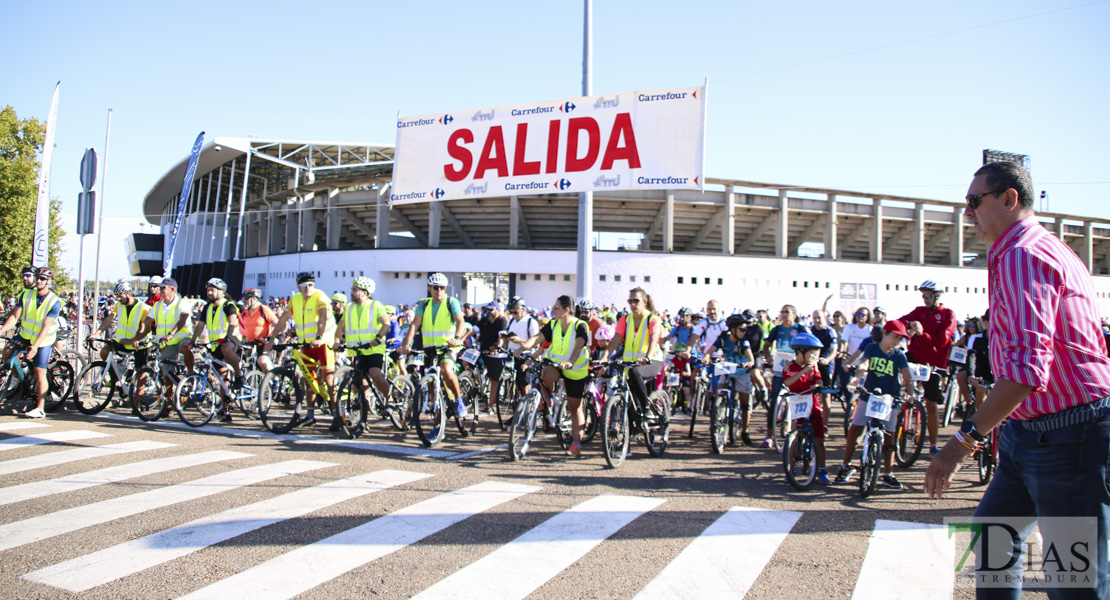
{"x": 1051, "y": 371}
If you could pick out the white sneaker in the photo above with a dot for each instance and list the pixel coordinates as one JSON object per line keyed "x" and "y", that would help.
{"x": 35, "y": 413}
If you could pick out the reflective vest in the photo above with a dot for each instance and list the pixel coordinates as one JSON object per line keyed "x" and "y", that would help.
{"x": 24, "y": 306}
{"x": 34, "y": 313}
{"x": 215, "y": 321}
{"x": 127, "y": 324}
{"x": 636, "y": 342}
{"x": 305, "y": 319}
{"x": 562, "y": 346}
{"x": 360, "y": 326}
{"x": 165, "y": 318}
{"x": 436, "y": 330}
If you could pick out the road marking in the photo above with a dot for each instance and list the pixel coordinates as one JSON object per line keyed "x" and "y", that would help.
{"x": 520, "y": 567}
{"x": 49, "y": 438}
{"x": 22, "y": 425}
{"x": 726, "y": 558}
{"x": 477, "y": 452}
{"x": 296, "y": 439}
{"x": 69, "y": 483}
{"x": 907, "y": 560}
{"x": 308, "y": 566}
{"x": 107, "y": 565}
{"x": 65, "y": 521}
{"x": 64, "y": 456}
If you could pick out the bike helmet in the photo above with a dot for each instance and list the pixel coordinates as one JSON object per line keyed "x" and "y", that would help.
{"x": 437, "y": 279}
{"x": 586, "y": 304}
{"x": 735, "y": 321}
{"x": 217, "y": 283}
{"x": 122, "y": 288}
{"x": 516, "y": 302}
{"x": 929, "y": 284}
{"x": 46, "y": 272}
{"x": 684, "y": 311}
{"x": 339, "y": 297}
{"x": 305, "y": 277}
{"x": 251, "y": 293}
{"x": 29, "y": 270}
{"x": 749, "y": 315}
{"x": 806, "y": 341}
{"x": 156, "y": 280}
{"x": 364, "y": 283}
{"x": 390, "y": 309}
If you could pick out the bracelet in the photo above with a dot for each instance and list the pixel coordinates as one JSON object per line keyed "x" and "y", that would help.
{"x": 970, "y": 445}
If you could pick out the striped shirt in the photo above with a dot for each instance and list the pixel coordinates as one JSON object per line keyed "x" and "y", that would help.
{"x": 1044, "y": 327}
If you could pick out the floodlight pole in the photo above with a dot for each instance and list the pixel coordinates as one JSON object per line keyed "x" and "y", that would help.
{"x": 584, "y": 274}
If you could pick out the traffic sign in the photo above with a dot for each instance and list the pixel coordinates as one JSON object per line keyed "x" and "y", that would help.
{"x": 88, "y": 169}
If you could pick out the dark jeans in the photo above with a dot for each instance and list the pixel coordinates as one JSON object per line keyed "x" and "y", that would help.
{"x": 1053, "y": 474}
{"x": 638, "y": 378}
{"x": 776, "y": 389}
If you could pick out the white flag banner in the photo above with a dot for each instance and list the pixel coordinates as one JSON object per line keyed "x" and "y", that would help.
{"x": 631, "y": 141}
{"x": 41, "y": 242}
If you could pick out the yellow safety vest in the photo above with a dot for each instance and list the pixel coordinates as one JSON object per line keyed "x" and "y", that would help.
{"x": 34, "y": 313}
{"x": 360, "y": 326}
{"x": 165, "y": 317}
{"x": 127, "y": 324}
{"x": 436, "y": 330}
{"x": 305, "y": 320}
{"x": 216, "y": 324}
{"x": 636, "y": 342}
{"x": 562, "y": 346}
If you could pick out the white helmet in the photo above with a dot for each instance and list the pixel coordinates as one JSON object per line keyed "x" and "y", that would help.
{"x": 364, "y": 283}
{"x": 156, "y": 280}
{"x": 929, "y": 284}
{"x": 122, "y": 288}
{"x": 437, "y": 279}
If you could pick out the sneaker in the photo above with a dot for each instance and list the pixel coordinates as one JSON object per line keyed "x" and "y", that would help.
{"x": 299, "y": 420}
{"x": 933, "y": 451}
{"x": 434, "y": 433}
{"x": 746, "y": 439}
{"x": 844, "y": 474}
{"x": 823, "y": 476}
{"x": 766, "y": 443}
{"x": 460, "y": 408}
{"x": 336, "y": 424}
{"x": 308, "y": 422}
{"x": 574, "y": 449}
{"x": 890, "y": 482}
{"x": 224, "y": 418}
{"x": 34, "y": 413}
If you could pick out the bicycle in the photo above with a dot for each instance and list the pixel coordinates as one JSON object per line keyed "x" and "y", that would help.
{"x": 507, "y": 393}
{"x": 699, "y": 389}
{"x": 354, "y": 406}
{"x": 986, "y": 454}
{"x": 878, "y": 410}
{"x": 909, "y": 433}
{"x": 431, "y": 404}
{"x": 152, "y": 388}
{"x": 533, "y": 409}
{"x": 102, "y": 381}
{"x": 473, "y": 382}
{"x": 624, "y": 416}
{"x": 18, "y": 381}
{"x": 282, "y": 391}
{"x": 201, "y": 395}
{"x": 799, "y": 449}
{"x": 726, "y": 415}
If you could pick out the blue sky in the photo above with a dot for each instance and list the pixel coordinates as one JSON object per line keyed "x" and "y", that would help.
{"x": 887, "y": 97}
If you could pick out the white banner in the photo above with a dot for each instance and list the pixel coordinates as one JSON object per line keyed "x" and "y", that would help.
{"x": 40, "y": 245}
{"x": 631, "y": 141}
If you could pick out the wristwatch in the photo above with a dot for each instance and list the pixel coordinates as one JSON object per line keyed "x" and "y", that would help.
{"x": 968, "y": 428}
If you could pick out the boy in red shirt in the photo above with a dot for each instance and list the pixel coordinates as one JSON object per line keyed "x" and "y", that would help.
{"x": 802, "y": 375}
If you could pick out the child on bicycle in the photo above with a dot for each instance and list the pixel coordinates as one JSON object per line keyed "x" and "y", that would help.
{"x": 736, "y": 349}
{"x": 882, "y": 363}
{"x": 803, "y": 375}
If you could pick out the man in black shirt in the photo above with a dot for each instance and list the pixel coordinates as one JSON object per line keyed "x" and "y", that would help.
{"x": 489, "y": 339}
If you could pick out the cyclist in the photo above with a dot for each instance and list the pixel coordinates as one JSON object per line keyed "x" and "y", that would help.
{"x": 681, "y": 334}
{"x": 219, "y": 319}
{"x": 308, "y": 309}
{"x": 338, "y": 305}
{"x": 28, "y": 277}
{"x": 586, "y": 311}
{"x": 522, "y": 326}
{"x": 778, "y": 340}
{"x": 640, "y": 331}
{"x": 365, "y": 321}
{"x": 826, "y": 362}
{"x": 931, "y": 328}
{"x": 38, "y": 313}
{"x": 256, "y": 322}
{"x": 855, "y": 334}
{"x": 802, "y": 375}
{"x": 568, "y": 337}
{"x": 882, "y": 364}
{"x": 440, "y": 321}
{"x": 154, "y": 290}
{"x": 736, "y": 348}
{"x": 169, "y": 320}
{"x": 393, "y": 337}
{"x": 979, "y": 360}
{"x": 128, "y": 314}
{"x": 489, "y": 341}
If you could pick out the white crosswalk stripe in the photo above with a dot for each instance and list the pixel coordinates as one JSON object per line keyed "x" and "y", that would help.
{"x": 309, "y": 566}
{"x": 65, "y": 521}
{"x": 16, "y": 425}
{"x": 98, "y": 568}
{"x": 918, "y": 557}
{"x": 49, "y": 438}
{"x": 69, "y": 483}
{"x": 62, "y": 457}
{"x": 713, "y": 559}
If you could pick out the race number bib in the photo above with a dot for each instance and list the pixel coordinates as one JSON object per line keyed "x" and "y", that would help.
{"x": 780, "y": 360}
{"x": 727, "y": 368}
{"x": 958, "y": 355}
{"x": 920, "y": 372}
{"x": 417, "y": 360}
{"x": 672, "y": 379}
{"x": 800, "y": 406}
{"x": 470, "y": 355}
{"x": 879, "y": 407}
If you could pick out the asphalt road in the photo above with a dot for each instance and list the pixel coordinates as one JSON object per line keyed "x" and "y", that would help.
{"x": 111, "y": 507}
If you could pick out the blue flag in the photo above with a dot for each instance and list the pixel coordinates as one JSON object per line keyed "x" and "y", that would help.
{"x": 186, "y": 187}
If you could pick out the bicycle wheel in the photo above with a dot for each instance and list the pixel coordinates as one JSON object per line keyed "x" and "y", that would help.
{"x": 247, "y": 395}
{"x": 468, "y": 391}
{"x": 799, "y": 459}
{"x": 779, "y": 423}
{"x": 430, "y": 412}
{"x": 614, "y": 430}
{"x": 984, "y": 458}
{"x": 848, "y": 416}
{"x": 910, "y": 436}
{"x": 351, "y": 400}
{"x": 951, "y": 398}
{"x": 505, "y": 400}
{"x": 76, "y": 359}
{"x": 697, "y": 398}
{"x": 869, "y": 465}
{"x": 279, "y": 397}
{"x": 733, "y": 417}
{"x": 400, "y": 408}
{"x": 59, "y": 379}
{"x": 195, "y": 398}
{"x": 717, "y": 423}
{"x": 95, "y": 388}
{"x": 146, "y": 395}
{"x": 657, "y": 422}
{"x": 590, "y": 419}
{"x": 523, "y": 425}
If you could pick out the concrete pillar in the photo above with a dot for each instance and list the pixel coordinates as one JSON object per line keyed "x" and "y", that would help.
{"x": 1088, "y": 254}
{"x": 877, "y": 230}
{"x": 782, "y": 228}
{"x": 956, "y": 242}
{"x": 275, "y": 231}
{"x": 668, "y": 223}
{"x": 292, "y": 227}
{"x": 382, "y": 219}
{"x": 1060, "y": 228}
{"x": 333, "y": 222}
{"x": 917, "y": 243}
{"x": 308, "y": 222}
{"x": 435, "y": 218}
{"x": 728, "y": 226}
{"x": 514, "y": 221}
{"x": 831, "y": 239}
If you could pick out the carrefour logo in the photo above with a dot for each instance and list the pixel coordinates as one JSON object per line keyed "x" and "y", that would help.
{"x": 446, "y": 119}
{"x": 438, "y": 193}
{"x": 567, "y": 107}
{"x": 562, "y": 184}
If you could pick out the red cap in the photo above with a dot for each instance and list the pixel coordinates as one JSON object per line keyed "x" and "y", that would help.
{"x": 896, "y": 326}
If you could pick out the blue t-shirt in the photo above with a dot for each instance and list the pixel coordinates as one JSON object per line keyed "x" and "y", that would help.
{"x": 734, "y": 352}
{"x": 681, "y": 335}
{"x": 782, "y": 335}
{"x": 394, "y": 337}
{"x": 884, "y": 370}
{"x": 829, "y": 338}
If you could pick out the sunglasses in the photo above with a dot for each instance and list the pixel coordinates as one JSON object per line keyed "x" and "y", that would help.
{"x": 861, "y": 314}
{"x": 928, "y": 296}
{"x": 436, "y": 287}
{"x": 974, "y": 200}
{"x": 634, "y": 301}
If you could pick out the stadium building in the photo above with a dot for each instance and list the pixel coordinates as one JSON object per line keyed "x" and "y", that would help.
{"x": 261, "y": 211}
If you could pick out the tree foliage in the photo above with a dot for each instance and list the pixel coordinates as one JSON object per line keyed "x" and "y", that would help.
{"x": 21, "y": 141}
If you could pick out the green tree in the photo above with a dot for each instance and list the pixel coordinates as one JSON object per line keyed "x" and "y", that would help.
{"x": 21, "y": 141}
